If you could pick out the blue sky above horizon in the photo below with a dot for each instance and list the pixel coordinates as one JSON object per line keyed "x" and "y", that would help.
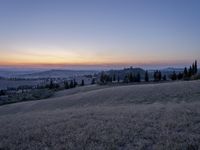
{"x": 46, "y": 33}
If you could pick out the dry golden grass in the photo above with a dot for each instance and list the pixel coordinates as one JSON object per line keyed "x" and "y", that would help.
{"x": 153, "y": 116}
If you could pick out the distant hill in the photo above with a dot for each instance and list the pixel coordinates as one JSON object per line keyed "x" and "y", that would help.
{"x": 121, "y": 73}
{"x": 173, "y": 69}
{"x": 14, "y": 73}
{"x": 166, "y": 71}
{"x": 55, "y": 73}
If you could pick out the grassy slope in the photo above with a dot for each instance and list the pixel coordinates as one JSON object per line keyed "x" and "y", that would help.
{"x": 153, "y": 116}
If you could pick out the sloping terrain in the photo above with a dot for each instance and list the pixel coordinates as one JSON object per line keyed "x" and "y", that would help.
{"x": 151, "y": 116}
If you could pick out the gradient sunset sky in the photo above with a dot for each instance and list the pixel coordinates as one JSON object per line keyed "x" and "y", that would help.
{"x": 114, "y": 33}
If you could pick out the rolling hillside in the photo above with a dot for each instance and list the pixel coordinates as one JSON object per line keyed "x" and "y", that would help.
{"x": 58, "y": 73}
{"x": 151, "y": 116}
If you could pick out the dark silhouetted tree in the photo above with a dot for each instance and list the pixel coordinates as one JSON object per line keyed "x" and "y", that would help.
{"x": 146, "y": 78}
{"x": 105, "y": 78}
{"x": 93, "y": 81}
{"x": 173, "y": 76}
{"x": 125, "y": 79}
{"x": 159, "y": 75}
{"x": 185, "y": 72}
{"x": 193, "y": 68}
{"x": 71, "y": 85}
{"x": 82, "y": 83}
{"x": 66, "y": 85}
{"x": 130, "y": 77}
{"x": 164, "y": 78}
{"x": 51, "y": 85}
{"x": 190, "y": 72}
{"x": 155, "y": 75}
{"x": 75, "y": 83}
{"x": 180, "y": 76}
{"x": 110, "y": 79}
{"x": 196, "y": 67}
{"x": 118, "y": 79}
{"x": 2, "y": 92}
{"x": 114, "y": 77}
{"x": 102, "y": 78}
{"x": 138, "y": 78}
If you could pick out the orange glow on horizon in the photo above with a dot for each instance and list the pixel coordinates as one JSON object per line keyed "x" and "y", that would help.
{"x": 61, "y": 58}
{"x": 88, "y": 63}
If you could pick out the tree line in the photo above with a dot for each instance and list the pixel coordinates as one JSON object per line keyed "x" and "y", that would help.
{"x": 68, "y": 84}
{"x": 157, "y": 76}
{"x": 187, "y": 74}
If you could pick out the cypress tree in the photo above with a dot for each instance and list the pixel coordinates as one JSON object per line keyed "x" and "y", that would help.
{"x": 131, "y": 77}
{"x": 196, "y": 68}
{"x": 102, "y": 77}
{"x": 125, "y": 79}
{"x": 138, "y": 77}
{"x": 159, "y": 75}
{"x": 164, "y": 78}
{"x": 82, "y": 83}
{"x": 193, "y": 69}
{"x": 114, "y": 77}
{"x": 118, "y": 79}
{"x": 66, "y": 85}
{"x": 185, "y": 72}
{"x": 2, "y": 92}
{"x": 146, "y": 76}
{"x": 173, "y": 76}
{"x": 180, "y": 76}
{"x": 75, "y": 83}
{"x": 109, "y": 78}
{"x": 71, "y": 85}
{"x": 93, "y": 81}
{"x": 190, "y": 72}
{"x": 155, "y": 75}
{"x": 51, "y": 85}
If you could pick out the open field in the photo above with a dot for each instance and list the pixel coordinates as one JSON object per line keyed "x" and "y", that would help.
{"x": 149, "y": 116}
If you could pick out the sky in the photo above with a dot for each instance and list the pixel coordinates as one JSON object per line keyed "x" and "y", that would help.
{"x": 99, "y": 33}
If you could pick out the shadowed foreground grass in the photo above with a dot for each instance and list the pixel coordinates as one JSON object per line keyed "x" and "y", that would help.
{"x": 82, "y": 121}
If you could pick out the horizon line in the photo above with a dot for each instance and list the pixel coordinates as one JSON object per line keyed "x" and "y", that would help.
{"x": 95, "y": 66}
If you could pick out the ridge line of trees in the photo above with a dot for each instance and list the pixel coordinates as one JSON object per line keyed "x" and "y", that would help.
{"x": 187, "y": 74}
{"x": 130, "y": 77}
